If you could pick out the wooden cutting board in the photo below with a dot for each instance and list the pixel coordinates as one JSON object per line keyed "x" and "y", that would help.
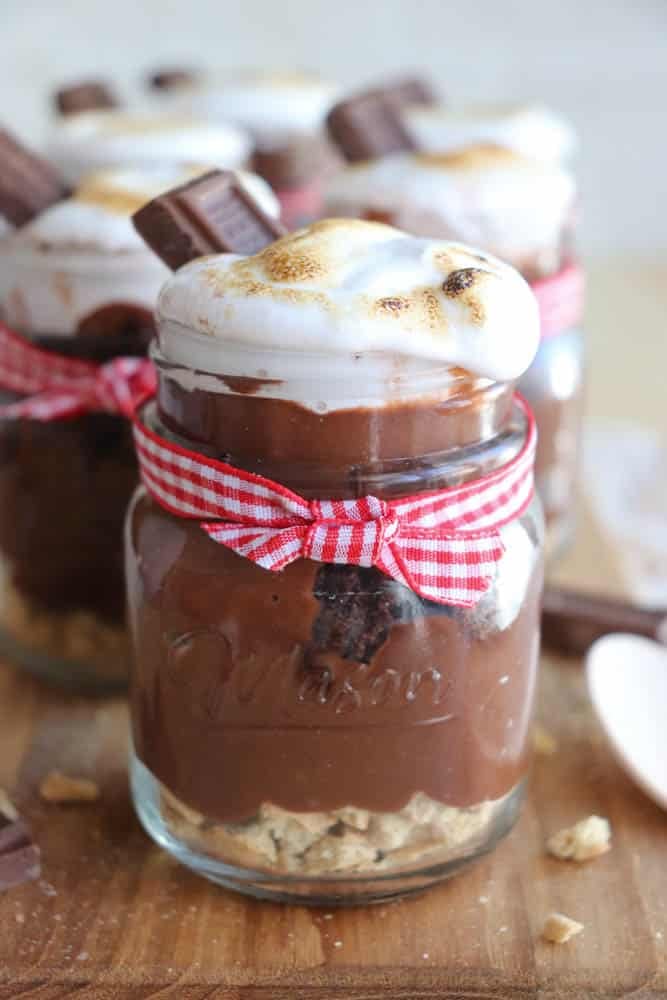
{"x": 113, "y": 916}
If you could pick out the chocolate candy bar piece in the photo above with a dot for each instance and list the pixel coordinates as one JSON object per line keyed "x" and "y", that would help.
{"x": 28, "y": 184}
{"x": 368, "y": 126}
{"x": 410, "y": 90}
{"x": 211, "y": 214}
{"x": 572, "y": 621}
{"x": 172, "y": 79}
{"x": 19, "y": 856}
{"x": 88, "y": 95}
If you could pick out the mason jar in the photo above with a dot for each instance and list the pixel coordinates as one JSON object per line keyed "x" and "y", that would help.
{"x": 323, "y": 734}
{"x": 79, "y": 283}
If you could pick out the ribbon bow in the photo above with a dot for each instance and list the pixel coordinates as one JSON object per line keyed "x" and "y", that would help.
{"x": 57, "y": 387}
{"x": 443, "y": 544}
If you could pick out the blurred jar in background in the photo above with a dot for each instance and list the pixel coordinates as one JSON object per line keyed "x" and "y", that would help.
{"x": 284, "y": 114}
{"x": 519, "y": 208}
{"x": 79, "y": 283}
{"x": 94, "y": 140}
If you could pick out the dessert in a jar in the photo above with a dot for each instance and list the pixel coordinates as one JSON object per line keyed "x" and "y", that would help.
{"x": 78, "y": 289}
{"x": 334, "y": 564}
{"x": 284, "y": 113}
{"x": 111, "y": 137}
{"x": 517, "y": 207}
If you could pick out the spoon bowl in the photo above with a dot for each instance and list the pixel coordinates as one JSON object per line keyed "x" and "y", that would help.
{"x": 627, "y": 682}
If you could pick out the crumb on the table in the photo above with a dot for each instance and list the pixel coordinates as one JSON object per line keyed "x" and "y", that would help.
{"x": 58, "y": 787}
{"x": 544, "y": 742}
{"x": 558, "y": 928}
{"x": 587, "y": 839}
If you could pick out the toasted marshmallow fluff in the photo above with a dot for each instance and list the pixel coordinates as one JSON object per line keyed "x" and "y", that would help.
{"x": 98, "y": 139}
{"x": 269, "y": 105}
{"x": 356, "y": 301}
{"x": 486, "y": 196}
{"x": 84, "y": 252}
{"x": 532, "y": 130}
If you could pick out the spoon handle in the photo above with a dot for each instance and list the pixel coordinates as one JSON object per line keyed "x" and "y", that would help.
{"x": 571, "y": 620}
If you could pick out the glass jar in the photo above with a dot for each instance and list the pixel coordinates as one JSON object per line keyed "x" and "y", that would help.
{"x": 554, "y": 386}
{"x": 64, "y": 488}
{"x": 323, "y": 734}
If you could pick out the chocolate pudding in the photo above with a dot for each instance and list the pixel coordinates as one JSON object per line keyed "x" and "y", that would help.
{"x": 325, "y": 723}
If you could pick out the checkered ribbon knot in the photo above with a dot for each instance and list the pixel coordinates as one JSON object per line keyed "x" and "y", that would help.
{"x": 560, "y": 299}
{"x": 56, "y": 387}
{"x": 444, "y": 545}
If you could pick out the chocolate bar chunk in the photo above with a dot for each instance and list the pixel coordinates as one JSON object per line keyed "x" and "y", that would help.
{"x": 410, "y": 90}
{"x": 172, "y": 79}
{"x": 19, "y": 856}
{"x": 368, "y": 126}
{"x": 211, "y": 214}
{"x": 28, "y": 184}
{"x": 88, "y": 95}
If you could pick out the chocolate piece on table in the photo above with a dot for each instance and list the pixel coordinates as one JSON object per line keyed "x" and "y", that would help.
{"x": 211, "y": 214}
{"x": 572, "y": 621}
{"x": 411, "y": 90}
{"x": 88, "y": 95}
{"x": 368, "y": 126}
{"x": 28, "y": 184}
{"x": 19, "y": 856}
{"x": 171, "y": 79}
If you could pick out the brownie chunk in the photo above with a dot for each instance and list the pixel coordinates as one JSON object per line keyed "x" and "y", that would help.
{"x": 359, "y": 606}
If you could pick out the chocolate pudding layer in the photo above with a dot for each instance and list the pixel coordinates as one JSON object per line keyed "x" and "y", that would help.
{"x": 341, "y": 450}
{"x": 253, "y": 687}
{"x": 64, "y": 489}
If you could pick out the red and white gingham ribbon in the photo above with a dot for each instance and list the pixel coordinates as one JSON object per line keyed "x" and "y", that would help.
{"x": 56, "y": 386}
{"x": 561, "y": 300}
{"x": 444, "y": 545}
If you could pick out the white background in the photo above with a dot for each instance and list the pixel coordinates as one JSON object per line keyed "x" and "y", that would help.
{"x": 602, "y": 62}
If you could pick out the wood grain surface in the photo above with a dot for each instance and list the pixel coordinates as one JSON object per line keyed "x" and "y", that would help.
{"x": 113, "y": 916}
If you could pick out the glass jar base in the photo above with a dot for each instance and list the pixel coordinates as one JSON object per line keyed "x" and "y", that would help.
{"x": 339, "y": 889}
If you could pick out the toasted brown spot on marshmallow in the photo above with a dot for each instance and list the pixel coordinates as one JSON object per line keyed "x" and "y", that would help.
{"x": 457, "y": 282}
{"x": 471, "y": 158}
{"x": 432, "y": 309}
{"x": 393, "y": 305}
{"x": 284, "y": 264}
